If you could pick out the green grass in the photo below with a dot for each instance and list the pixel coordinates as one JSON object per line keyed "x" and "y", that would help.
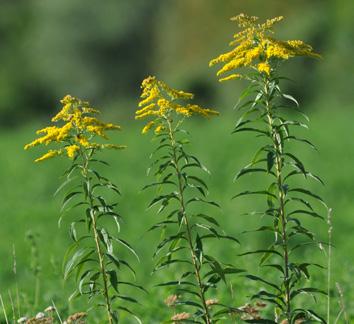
{"x": 27, "y": 203}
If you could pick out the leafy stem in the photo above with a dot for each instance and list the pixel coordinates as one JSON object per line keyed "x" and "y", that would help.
{"x": 87, "y": 183}
{"x": 278, "y": 150}
{"x": 194, "y": 258}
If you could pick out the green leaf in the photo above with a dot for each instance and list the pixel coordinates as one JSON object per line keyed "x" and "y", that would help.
{"x": 308, "y": 193}
{"x": 311, "y": 314}
{"x": 291, "y": 98}
{"x": 162, "y": 225}
{"x": 113, "y": 279}
{"x": 256, "y": 278}
{"x": 199, "y": 249}
{"x": 127, "y": 310}
{"x": 272, "y": 198}
{"x": 251, "y": 129}
{"x": 176, "y": 283}
{"x": 196, "y": 199}
{"x": 127, "y": 298}
{"x": 132, "y": 285}
{"x": 190, "y": 303}
{"x": 68, "y": 198}
{"x": 303, "y": 140}
{"x": 300, "y": 200}
{"x": 306, "y": 212}
{"x": 127, "y": 245}
{"x": 308, "y": 174}
{"x": 63, "y": 185}
{"x": 163, "y": 198}
{"x": 169, "y": 239}
{"x": 216, "y": 266}
{"x": 160, "y": 265}
{"x": 307, "y": 290}
{"x": 198, "y": 180}
{"x": 260, "y": 192}
{"x": 208, "y": 218}
{"x": 70, "y": 264}
{"x": 260, "y": 229}
{"x": 248, "y": 170}
{"x": 298, "y": 163}
{"x": 270, "y": 160}
{"x": 220, "y": 236}
{"x": 261, "y": 251}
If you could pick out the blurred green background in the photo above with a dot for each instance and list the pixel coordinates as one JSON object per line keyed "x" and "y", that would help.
{"x": 100, "y": 51}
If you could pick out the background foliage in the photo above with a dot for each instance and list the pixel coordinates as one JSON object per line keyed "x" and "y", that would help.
{"x": 101, "y": 52}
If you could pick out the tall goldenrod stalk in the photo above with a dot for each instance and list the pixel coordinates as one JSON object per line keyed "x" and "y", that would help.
{"x": 179, "y": 186}
{"x": 93, "y": 219}
{"x": 92, "y": 256}
{"x": 255, "y": 48}
{"x": 187, "y": 224}
{"x": 278, "y": 151}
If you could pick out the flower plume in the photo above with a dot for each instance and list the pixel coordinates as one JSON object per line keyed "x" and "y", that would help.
{"x": 160, "y": 101}
{"x": 254, "y": 47}
{"x": 79, "y": 126}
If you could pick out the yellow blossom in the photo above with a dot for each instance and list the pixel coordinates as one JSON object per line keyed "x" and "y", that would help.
{"x": 159, "y": 101}
{"x": 50, "y": 154}
{"x": 79, "y": 125}
{"x": 147, "y": 127}
{"x": 264, "y": 67}
{"x": 113, "y": 146}
{"x": 82, "y": 140}
{"x": 253, "y": 47}
{"x": 231, "y": 77}
{"x": 159, "y": 129}
{"x": 71, "y": 150}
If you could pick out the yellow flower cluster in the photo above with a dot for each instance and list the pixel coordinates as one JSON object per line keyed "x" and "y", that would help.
{"x": 254, "y": 47}
{"x": 79, "y": 128}
{"x": 159, "y": 101}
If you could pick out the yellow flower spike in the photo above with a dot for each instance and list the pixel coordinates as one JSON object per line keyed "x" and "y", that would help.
{"x": 79, "y": 127}
{"x": 145, "y": 109}
{"x": 231, "y": 77}
{"x": 63, "y": 132}
{"x": 71, "y": 150}
{"x": 113, "y": 146}
{"x": 254, "y": 44}
{"x": 50, "y": 154}
{"x": 82, "y": 140}
{"x": 160, "y": 102}
{"x": 264, "y": 67}
{"x": 147, "y": 127}
{"x": 159, "y": 129}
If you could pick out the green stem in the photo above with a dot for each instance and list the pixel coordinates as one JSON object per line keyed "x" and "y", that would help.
{"x": 86, "y": 160}
{"x": 208, "y": 319}
{"x": 278, "y": 148}
{"x": 329, "y": 264}
{"x": 36, "y": 291}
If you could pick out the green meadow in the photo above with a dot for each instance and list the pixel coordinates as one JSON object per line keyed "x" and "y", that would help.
{"x": 28, "y": 206}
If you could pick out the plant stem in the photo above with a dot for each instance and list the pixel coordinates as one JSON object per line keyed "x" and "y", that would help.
{"x": 86, "y": 160}
{"x": 188, "y": 227}
{"x": 329, "y": 264}
{"x": 278, "y": 148}
{"x": 4, "y": 310}
{"x": 36, "y": 291}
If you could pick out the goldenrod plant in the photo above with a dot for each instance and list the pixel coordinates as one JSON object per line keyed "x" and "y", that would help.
{"x": 93, "y": 255}
{"x": 184, "y": 227}
{"x": 256, "y": 57}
